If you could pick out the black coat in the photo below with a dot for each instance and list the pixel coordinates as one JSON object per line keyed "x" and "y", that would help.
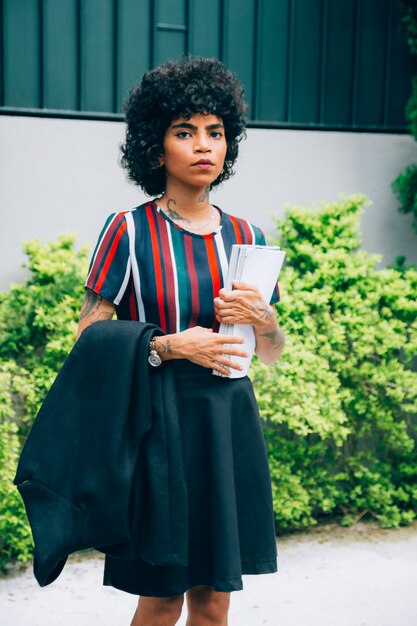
{"x": 102, "y": 466}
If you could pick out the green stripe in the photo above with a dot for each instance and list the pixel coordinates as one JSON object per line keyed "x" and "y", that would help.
{"x": 259, "y": 239}
{"x": 182, "y": 280}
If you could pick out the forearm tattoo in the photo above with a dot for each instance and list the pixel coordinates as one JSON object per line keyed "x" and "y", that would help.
{"x": 276, "y": 338}
{"x": 90, "y": 306}
{"x": 105, "y": 315}
{"x": 161, "y": 347}
{"x": 264, "y": 310}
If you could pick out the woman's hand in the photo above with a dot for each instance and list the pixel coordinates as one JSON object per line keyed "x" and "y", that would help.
{"x": 244, "y": 305}
{"x": 202, "y": 346}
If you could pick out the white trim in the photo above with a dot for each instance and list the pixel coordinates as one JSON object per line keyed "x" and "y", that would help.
{"x": 134, "y": 263}
{"x": 224, "y": 263}
{"x": 252, "y": 231}
{"x": 98, "y": 244}
{"x": 124, "y": 283}
{"x": 174, "y": 269}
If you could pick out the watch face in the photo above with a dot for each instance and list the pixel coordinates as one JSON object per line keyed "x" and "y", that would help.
{"x": 154, "y": 359}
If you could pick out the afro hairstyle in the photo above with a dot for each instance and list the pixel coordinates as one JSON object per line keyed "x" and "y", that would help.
{"x": 182, "y": 88}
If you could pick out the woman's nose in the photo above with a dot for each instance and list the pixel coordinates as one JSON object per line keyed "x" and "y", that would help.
{"x": 202, "y": 144}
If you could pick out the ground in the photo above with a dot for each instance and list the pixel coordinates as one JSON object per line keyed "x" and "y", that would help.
{"x": 329, "y": 576}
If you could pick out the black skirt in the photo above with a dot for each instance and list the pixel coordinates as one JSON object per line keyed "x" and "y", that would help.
{"x": 231, "y": 518}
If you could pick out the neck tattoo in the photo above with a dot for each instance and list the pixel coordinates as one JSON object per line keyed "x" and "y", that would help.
{"x": 177, "y": 217}
{"x": 204, "y": 196}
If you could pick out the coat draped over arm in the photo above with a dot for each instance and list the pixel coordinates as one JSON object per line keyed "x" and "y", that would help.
{"x": 102, "y": 465}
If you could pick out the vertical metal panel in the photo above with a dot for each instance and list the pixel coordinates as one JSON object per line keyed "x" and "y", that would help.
{"x": 134, "y": 28}
{"x": 1, "y": 54}
{"x": 338, "y": 60}
{"x": 369, "y": 91}
{"x": 401, "y": 65}
{"x": 170, "y": 30}
{"x": 60, "y": 54}
{"x": 272, "y": 60}
{"x": 324, "y": 18}
{"x": 309, "y": 62}
{"x": 21, "y": 53}
{"x": 97, "y": 50}
{"x": 306, "y": 61}
{"x": 204, "y": 31}
{"x": 239, "y": 41}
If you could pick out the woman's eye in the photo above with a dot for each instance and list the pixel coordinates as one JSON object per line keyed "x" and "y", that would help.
{"x": 182, "y": 134}
{"x": 216, "y": 134}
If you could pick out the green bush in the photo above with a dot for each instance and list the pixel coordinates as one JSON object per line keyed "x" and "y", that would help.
{"x": 339, "y": 407}
{"x": 38, "y": 327}
{"x": 405, "y": 188}
{"x": 340, "y": 404}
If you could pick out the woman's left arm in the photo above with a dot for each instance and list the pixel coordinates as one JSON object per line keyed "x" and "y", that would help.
{"x": 245, "y": 305}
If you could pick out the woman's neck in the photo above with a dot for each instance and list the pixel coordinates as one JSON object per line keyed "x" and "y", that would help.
{"x": 190, "y": 209}
{"x": 190, "y": 203}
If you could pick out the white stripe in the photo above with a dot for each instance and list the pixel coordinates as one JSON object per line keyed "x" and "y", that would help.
{"x": 98, "y": 247}
{"x": 224, "y": 263}
{"x": 135, "y": 267}
{"x": 174, "y": 268}
{"x": 124, "y": 283}
{"x": 252, "y": 231}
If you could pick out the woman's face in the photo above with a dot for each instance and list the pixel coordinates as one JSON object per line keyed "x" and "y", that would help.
{"x": 194, "y": 150}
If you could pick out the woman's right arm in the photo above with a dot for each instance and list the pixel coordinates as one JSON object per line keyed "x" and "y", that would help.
{"x": 93, "y": 309}
{"x": 202, "y": 346}
{"x": 199, "y": 345}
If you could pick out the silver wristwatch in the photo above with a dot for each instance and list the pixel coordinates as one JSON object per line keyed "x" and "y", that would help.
{"x": 154, "y": 359}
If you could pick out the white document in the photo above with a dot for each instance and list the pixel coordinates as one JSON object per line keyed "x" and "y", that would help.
{"x": 255, "y": 265}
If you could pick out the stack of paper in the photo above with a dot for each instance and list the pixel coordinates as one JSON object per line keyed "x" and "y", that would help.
{"x": 254, "y": 265}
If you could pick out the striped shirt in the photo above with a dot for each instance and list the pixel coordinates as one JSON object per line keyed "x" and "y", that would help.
{"x": 153, "y": 270}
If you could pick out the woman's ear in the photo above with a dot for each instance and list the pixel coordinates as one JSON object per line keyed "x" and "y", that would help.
{"x": 155, "y": 157}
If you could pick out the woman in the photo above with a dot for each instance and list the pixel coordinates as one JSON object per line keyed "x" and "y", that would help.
{"x": 164, "y": 262}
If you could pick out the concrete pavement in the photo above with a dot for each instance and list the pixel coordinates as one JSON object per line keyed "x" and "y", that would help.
{"x": 329, "y": 576}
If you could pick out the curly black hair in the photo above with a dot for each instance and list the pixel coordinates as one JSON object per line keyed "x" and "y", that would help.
{"x": 181, "y": 88}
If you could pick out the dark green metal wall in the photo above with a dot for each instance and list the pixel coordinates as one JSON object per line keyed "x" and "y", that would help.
{"x": 304, "y": 63}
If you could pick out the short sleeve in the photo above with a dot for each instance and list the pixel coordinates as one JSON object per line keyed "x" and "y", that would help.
{"x": 260, "y": 241}
{"x": 109, "y": 271}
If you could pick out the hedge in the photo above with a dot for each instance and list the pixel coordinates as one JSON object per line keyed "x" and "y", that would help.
{"x": 338, "y": 408}
{"x": 340, "y": 405}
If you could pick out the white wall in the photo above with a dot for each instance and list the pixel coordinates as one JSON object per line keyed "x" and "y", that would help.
{"x": 63, "y": 175}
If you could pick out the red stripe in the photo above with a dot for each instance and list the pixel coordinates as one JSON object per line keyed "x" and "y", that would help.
{"x": 133, "y": 305}
{"x": 110, "y": 256}
{"x": 238, "y": 232}
{"x": 195, "y": 302}
{"x": 103, "y": 247}
{"x": 214, "y": 271}
{"x": 246, "y": 231}
{"x": 169, "y": 275}
{"x": 158, "y": 268}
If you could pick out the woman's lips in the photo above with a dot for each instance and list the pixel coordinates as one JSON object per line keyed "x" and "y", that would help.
{"x": 204, "y": 165}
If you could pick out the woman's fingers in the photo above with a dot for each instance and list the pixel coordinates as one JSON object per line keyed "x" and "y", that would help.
{"x": 234, "y": 352}
{"x": 244, "y": 286}
{"x": 227, "y": 349}
{"x": 229, "y": 363}
{"x": 229, "y": 340}
{"x": 212, "y": 350}
{"x": 220, "y": 368}
{"x": 224, "y": 365}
